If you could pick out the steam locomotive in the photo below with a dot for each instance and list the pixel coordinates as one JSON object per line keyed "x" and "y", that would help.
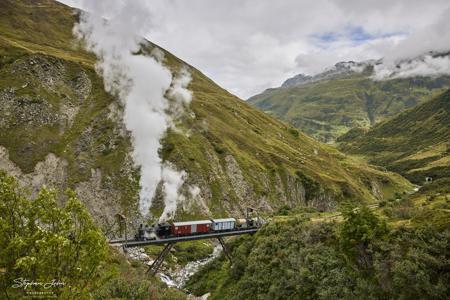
{"x": 176, "y": 229}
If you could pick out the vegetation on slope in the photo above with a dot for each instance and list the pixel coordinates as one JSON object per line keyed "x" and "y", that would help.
{"x": 43, "y": 243}
{"x": 329, "y": 108}
{"x": 237, "y": 155}
{"x": 366, "y": 255}
{"x": 414, "y": 143}
{"x": 52, "y": 101}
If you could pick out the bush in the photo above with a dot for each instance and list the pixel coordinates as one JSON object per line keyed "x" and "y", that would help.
{"x": 296, "y": 259}
{"x": 41, "y": 241}
{"x": 358, "y": 230}
{"x": 294, "y": 132}
{"x": 283, "y": 210}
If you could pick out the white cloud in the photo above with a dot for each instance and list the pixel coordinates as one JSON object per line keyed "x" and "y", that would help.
{"x": 249, "y": 45}
{"x": 423, "y": 66}
{"x": 411, "y": 56}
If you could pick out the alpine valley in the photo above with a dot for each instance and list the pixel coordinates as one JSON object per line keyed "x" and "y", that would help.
{"x": 350, "y": 175}
{"x": 343, "y": 97}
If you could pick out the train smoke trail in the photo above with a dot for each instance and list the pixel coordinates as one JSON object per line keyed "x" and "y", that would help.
{"x": 113, "y": 30}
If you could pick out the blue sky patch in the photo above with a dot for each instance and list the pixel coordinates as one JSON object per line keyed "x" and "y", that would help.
{"x": 355, "y": 34}
{"x": 358, "y": 34}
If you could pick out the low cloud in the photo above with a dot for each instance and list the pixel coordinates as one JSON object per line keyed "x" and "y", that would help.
{"x": 420, "y": 53}
{"x": 424, "y": 66}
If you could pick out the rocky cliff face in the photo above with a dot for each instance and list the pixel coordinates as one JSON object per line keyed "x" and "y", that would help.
{"x": 56, "y": 132}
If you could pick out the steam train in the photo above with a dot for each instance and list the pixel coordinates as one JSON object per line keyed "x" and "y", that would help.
{"x": 176, "y": 229}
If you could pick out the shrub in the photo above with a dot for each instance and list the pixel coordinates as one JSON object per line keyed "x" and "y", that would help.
{"x": 41, "y": 241}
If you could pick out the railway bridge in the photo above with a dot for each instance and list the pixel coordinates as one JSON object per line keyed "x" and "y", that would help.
{"x": 171, "y": 241}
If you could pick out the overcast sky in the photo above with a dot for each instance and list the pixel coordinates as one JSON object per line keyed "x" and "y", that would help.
{"x": 247, "y": 46}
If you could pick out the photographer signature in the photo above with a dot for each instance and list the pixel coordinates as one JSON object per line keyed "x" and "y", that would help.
{"x": 26, "y": 283}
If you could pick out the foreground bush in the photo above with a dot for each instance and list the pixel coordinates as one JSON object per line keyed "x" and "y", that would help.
{"x": 53, "y": 251}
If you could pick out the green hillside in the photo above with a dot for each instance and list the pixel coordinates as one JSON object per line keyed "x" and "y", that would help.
{"x": 416, "y": 143}
{"x": 52, "y": 101}
{"x": 328, "y": 108}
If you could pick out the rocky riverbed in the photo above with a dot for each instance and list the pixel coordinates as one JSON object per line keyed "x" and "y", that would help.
{"x": 178, "y": 276}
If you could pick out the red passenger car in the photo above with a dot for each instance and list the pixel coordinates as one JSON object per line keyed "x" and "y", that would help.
{"x": 191, "y": 227}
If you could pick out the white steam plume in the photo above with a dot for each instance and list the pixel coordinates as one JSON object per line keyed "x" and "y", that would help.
{"x": 172, "y": 183}
{"x": 113, "y": 30}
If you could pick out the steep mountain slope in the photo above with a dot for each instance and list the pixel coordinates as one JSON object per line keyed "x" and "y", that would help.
{"x": 416, "y": 143}
{"x": 60, "y": 128}
{"x": 329, "y": 104}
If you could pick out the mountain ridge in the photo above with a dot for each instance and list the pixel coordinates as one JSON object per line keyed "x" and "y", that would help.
{"x": 328, "y": 108}
{"x": 339, "y": 69}
{"x": 67, "y": 132}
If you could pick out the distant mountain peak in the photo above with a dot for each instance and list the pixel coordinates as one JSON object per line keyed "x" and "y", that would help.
{"x": 339, "y": 69}
{"x": 296, "y": 80}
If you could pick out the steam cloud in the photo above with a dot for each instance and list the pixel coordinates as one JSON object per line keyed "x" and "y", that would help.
{"x": 113, "y": 30}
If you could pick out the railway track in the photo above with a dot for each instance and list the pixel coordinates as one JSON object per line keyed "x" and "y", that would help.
{"x": 135, "y": 243}
{"x": 338, "y": 214}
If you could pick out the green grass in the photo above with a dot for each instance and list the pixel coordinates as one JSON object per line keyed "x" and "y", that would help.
{"x": 41, "y": 26}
